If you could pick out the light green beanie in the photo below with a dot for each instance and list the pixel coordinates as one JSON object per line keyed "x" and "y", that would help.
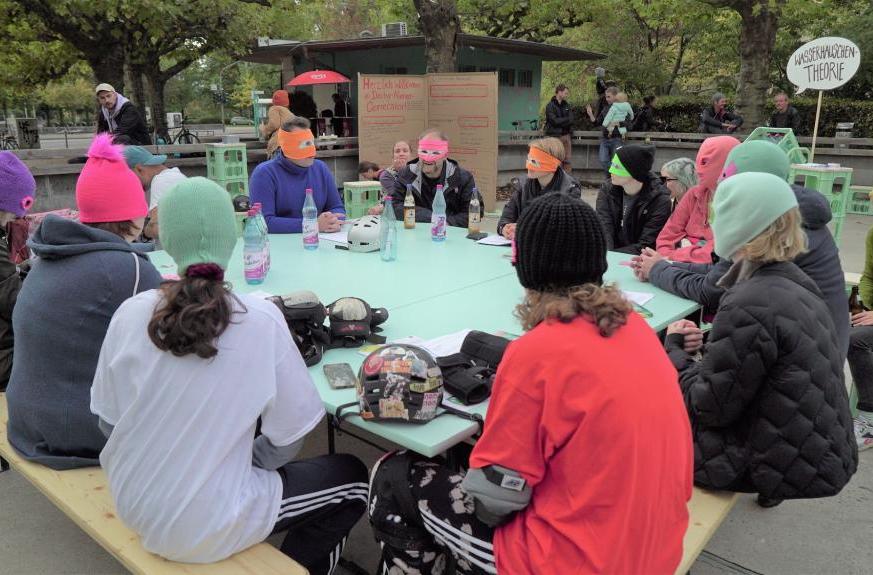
{"x": 757, "y": 156}
{"x": 744, "y": 206}
{"x": 197, "y": 224}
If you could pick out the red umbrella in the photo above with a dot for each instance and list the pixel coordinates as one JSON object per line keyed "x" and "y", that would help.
{"x": 318, "y": 77}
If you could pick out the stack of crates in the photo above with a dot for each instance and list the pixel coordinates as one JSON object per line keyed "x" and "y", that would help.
{"x": 831, "y": 181}
{"x": 358, "y": 197}
{"x": 227, "y": 165}
{"x": 785, "y": 139}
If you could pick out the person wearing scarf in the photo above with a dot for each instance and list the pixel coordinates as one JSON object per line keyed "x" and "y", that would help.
{"x": 121, "y": 118}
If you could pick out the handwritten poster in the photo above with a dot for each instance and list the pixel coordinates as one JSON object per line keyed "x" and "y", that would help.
{"x": 823, "y": 64}
{"x": 463, "y": 106}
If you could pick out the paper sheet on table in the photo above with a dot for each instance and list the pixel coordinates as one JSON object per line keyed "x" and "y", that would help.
{"x": 340, "y": 237}
{"x": 638, "y": 297}
{"x": 494, "y": 240}
{"x": 438, "y": 346}
{"x": 453, "y": 401}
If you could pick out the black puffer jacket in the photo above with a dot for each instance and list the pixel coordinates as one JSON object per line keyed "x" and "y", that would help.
{"x": 821, "y": 262}
{"x": 646, "y": 217}
{"x": 559, "y": 118}
{"x": 768, "y": 406}
{"x": 131, "y": 126}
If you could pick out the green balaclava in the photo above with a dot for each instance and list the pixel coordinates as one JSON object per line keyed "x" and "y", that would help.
{"x": 197, "y": 224}
{"x": 744, "y": 206}
{"x": 757, "y": 156}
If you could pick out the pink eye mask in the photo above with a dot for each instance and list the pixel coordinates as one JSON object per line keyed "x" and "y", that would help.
{"x": 432, "y": 150}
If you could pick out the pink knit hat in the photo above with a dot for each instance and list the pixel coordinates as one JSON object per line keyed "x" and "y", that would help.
{"x": 107, "y": 190}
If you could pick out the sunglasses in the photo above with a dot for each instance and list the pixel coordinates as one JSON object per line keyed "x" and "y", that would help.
{"x": 665, "y": 179}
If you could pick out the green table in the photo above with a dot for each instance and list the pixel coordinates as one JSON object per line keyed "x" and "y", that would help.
{"x": 431, "y": 290}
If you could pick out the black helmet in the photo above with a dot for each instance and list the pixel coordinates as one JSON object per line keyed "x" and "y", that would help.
{"x": 241, "y": 203}
{"x": 400, "y": 383}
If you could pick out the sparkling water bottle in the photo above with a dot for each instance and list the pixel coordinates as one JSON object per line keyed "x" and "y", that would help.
{"x": 438, "y": 216}
{"x": 310, "y": 222}
{"x": 253, "y": 251}
{"x": 474, "y": 214}
{"x": 388, "y": 233}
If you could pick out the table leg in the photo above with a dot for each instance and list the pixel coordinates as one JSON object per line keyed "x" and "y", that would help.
{"x": 331, "y": 437}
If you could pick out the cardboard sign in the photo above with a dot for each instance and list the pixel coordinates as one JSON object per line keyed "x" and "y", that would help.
{"x": 463, "y": 106}
{"x": 823, "y": 64}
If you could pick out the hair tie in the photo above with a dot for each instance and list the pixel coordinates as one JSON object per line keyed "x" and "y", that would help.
{"x": 206, "y": 271}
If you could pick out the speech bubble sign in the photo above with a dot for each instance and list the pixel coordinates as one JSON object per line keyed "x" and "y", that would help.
{"x": 823, "y": 64}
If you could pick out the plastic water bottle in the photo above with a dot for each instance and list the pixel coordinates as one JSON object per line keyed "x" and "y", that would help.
{"x": 388, "y": 233}
{"x": 253, "y": 251}
{"x": 310, "y": 222}
{"x": 262, "y": 224}
{"x": 438, "y": 216}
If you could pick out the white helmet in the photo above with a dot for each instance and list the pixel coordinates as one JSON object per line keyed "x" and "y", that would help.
{"x": 364, "y": 235}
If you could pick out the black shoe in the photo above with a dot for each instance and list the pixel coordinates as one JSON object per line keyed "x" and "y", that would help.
{"x": 768, "y": 502}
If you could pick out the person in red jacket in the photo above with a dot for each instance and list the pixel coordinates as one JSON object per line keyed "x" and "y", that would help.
{"x": 686, "y": 236}
{"x": 585, "y": 462}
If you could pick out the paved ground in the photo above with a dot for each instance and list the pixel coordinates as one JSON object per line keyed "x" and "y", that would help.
{"x": 797, "y": 538}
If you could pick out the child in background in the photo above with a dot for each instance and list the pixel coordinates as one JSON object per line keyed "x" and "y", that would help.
{"x": 620, "y": 111}
{"x": 17, "y": 187}
{"x": 185, "y": 374}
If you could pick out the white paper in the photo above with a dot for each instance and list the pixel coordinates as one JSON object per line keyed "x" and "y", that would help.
{"x": 340, "y": 237}
{"x": 638, "y": 297}
{"x": 261, "y": 294}
{"x": 494, "y": 240}
{"x": 446, "y": 344}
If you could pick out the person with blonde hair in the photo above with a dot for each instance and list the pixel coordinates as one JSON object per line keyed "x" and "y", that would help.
{"x": 582, "y": 449}
{"x": 544, "y": 174}
{"x": 767, "y": 403}
{"x": 678, "y": 176}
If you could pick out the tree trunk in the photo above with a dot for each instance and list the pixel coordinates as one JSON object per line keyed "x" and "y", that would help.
{"x": 137, "y": 86}
{"x": 156, "y": 83}
{"x": 760, "y": 21}
{"x": 108, "y": 66}
{"x": 439, "y": 22}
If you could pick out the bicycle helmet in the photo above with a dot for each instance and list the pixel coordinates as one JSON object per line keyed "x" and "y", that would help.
{"x": 364, "y": 235}
{"x": 399, "y": 383}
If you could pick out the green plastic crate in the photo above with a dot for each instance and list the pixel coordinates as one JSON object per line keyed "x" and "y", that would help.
{"x": 235, "y": 186}
{"x": 859, "y": 200}
{"x": 358, "y": 197}
{"x": 226, "y": 161}
{"x": 785, "y": 139}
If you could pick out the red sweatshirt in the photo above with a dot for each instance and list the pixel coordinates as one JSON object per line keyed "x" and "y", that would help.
{"x": 690, "y": 220}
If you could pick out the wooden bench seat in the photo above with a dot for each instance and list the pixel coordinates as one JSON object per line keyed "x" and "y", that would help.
{"x": 707, "y": 510}
{"x": 83, "y": 495}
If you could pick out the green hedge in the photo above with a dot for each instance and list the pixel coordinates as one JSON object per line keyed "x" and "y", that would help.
{"x": 683, "y": 115}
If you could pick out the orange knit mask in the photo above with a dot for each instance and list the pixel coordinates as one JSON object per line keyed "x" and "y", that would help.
{"x": 540, "y": 161}
{"x": 297, "y": 145}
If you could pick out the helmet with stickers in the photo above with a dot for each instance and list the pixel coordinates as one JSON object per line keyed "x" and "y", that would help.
{"x": 399, "y": 383}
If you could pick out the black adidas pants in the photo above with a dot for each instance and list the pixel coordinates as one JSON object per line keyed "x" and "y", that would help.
{"x": 322, "y": 499}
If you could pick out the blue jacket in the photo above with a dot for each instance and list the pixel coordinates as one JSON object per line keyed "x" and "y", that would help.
{"x": 80, "y": 277}
{"x": 280, "y": 186}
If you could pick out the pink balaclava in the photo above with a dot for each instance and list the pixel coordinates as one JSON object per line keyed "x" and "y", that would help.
{"x": 711, "y": 158}
{"x": 107, "y": 190}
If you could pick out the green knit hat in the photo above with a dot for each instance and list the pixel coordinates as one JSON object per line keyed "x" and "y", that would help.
{"x": 197, "y": 224}
{"x": 757, "y": 156}
{"x": 744, "y": 206}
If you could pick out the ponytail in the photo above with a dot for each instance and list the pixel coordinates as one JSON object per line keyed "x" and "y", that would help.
{"x": 196, "y": 311}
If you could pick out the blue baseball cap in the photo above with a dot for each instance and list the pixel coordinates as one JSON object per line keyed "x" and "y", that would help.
{"x": 139, "y": 156}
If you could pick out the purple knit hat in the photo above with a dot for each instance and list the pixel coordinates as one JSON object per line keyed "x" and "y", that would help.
{"x": 16, "y": 185}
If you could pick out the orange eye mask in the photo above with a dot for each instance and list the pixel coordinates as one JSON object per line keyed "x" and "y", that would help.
{"x": 539, "y": 161}
{"x": 297, "y": 145}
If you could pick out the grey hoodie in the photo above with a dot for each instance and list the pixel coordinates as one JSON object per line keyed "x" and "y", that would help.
{"x": 80, "y": 276}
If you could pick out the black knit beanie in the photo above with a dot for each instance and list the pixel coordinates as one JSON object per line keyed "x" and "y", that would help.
{"x": 637, "y": 159}
{"x": 559, "y": 244}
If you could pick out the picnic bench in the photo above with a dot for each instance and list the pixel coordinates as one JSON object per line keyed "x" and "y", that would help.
{"x": 706, "y": 510}
{"x": 83, "y": 495}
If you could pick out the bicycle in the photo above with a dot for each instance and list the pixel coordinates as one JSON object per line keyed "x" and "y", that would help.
{"x": 8, "y": 142}
{"x": 185, "y": 136}
{"x": 533, "y": 126}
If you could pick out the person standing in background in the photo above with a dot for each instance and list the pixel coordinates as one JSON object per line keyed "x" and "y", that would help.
{"x": 559, "y": 122}
{"x": 277, "y": 115}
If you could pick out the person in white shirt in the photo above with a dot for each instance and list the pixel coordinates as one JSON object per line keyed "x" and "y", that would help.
{"x": 185, "y": 374}
{"x": 156, "y": 178}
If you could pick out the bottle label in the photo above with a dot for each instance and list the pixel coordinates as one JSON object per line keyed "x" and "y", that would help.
{"x": 438, "y": 226}
{"x": 253, "y": 264}
{"x": 409, "y": 217}
{"x": 310, "y": 232}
